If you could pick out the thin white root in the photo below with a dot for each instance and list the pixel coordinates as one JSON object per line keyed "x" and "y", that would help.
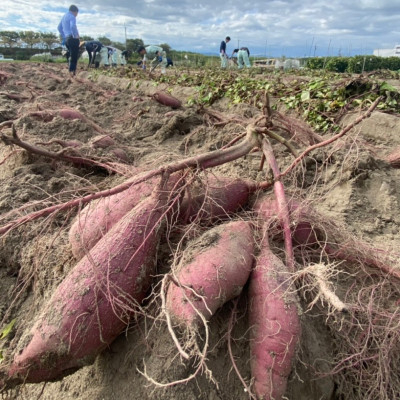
{"x": 168, "y": 317}
{"x": 319, "y": 275}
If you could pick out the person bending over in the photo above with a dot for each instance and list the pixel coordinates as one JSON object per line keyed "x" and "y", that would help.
{"x": 243, "y": 55}
{"x": 153, "y": 53}
{"x": 93, "y": 47}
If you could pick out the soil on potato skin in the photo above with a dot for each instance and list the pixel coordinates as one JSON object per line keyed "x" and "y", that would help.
{"x": 36, "y": 257}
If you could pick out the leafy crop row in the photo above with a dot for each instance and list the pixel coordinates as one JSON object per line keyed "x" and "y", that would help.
{"x": 357, "y": 64}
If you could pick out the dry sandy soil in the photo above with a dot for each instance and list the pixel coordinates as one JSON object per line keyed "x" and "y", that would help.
{"x": 356, "y": 190}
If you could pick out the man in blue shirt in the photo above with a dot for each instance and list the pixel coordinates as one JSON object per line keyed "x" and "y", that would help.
{"x": 70, "y": 36}
{"x": 222, "y": 52}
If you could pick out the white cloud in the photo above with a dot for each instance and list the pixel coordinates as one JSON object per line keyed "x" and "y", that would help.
{"x": 270, "y": 26}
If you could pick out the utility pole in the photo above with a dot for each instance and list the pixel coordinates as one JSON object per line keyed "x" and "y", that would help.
{"x": 238, "y": 43}
{"x": 125, "y": 37}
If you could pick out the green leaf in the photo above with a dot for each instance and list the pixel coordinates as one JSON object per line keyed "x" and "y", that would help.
{"x": 305, "y": 95}
{"x": 386, "y": 86}
{"x": 7, "y": 329}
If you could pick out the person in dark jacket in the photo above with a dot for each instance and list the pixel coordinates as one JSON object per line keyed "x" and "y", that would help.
{"x": 93, "y": 47}
{"x": 222, "y": 52}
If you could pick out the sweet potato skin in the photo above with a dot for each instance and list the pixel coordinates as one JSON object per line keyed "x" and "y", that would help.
{"x": 96, "y": 300}
{"x": 275, "y": 326}
{"x": 102, "y": 142}
{"x": 217, "y": 198}
{"x": 98, "y": 217}
{"x": 167, "y": 100}
{"x": 217, "y": 273}
{"x": 302, "y": 230}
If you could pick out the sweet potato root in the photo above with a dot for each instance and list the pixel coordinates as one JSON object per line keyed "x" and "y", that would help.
{"x": 217, "y": 198}
{"x": 99, "y": 216}
{"x": 119, "y": 154}
{"x": 102, "y": 142}
{"x": 301, "y": 228}
{"x": 275, "y": 326}
{"x": 97, "y": 299}
{"x": 66, "y": 113}
{"x": 221, "y": 261}
{"x": 311, "y": 231}
{"x": 167, "y": 100}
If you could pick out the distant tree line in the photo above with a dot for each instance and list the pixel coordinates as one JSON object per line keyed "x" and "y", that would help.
{"x": 23, "y": 44}
{"x": 356, "y": 64}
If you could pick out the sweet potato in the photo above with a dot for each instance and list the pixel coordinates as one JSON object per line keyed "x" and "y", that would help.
{"x": 167, "y": 100}
{"x": 120, "y": 154}
{"x": 275, "y": 326}
{"x": 310, "y": 230}
{"x": 65, "y": 113}
{"x": 216, "y": 198}
{"x": 68, "y": 113}
{"x": 302, "y": 230}
{"x": 102, "y": 142}
{"x": 219, "y": 266}
{"x": 99, "y": 216}
{"x": 97, "y": 299}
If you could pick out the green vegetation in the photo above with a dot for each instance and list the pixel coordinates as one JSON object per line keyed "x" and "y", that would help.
{"x": 319, "y": 96}
{"x": 4, "y": 333}
{"x": 357, "y": 64}
{"x": 319, "y": 92}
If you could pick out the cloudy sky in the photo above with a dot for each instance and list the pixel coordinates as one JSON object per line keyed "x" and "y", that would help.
{"x": 266, "y": 27}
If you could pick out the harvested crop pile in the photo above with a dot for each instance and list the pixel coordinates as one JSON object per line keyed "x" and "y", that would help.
{"x": 220, "y": 244}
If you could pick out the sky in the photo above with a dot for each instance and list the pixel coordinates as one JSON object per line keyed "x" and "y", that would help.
{"x": 270, "y": 28}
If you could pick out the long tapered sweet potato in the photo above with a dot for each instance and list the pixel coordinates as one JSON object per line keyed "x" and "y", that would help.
{"x": 216, "y": 198}
{"x": 99, "y": 216}
{"x": 275, "y": 326}
{"x": 97, "y": 299}
{"x": 221, "y": 261}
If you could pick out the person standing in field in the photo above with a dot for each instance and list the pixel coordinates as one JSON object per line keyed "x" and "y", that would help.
{"x": 243, "y": 55}
{"x": 153, "y": 53}
{"x": 222, "y": 52}
{"x": 70, "y": 36}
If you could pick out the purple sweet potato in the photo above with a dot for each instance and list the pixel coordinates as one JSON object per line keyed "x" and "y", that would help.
{"x": 98, "y": 298}
{"x": 119, "y": 154}
{"x": 99, "y": 216}
{"x": 167, "y": 100}
{"x": 302, "y": 230}
{"x": 274, "y": 325}
{"x": 102, "y": 142}
{"x": 219, "y": 265}
{"x": 217, "y": 198}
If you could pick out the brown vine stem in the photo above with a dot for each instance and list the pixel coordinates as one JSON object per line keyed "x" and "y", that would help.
{"x": 283, "y": 210}
{"x": 202, "y": 161}
{"x": 15, "y": 140}
{"x": 333, "y": 138}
